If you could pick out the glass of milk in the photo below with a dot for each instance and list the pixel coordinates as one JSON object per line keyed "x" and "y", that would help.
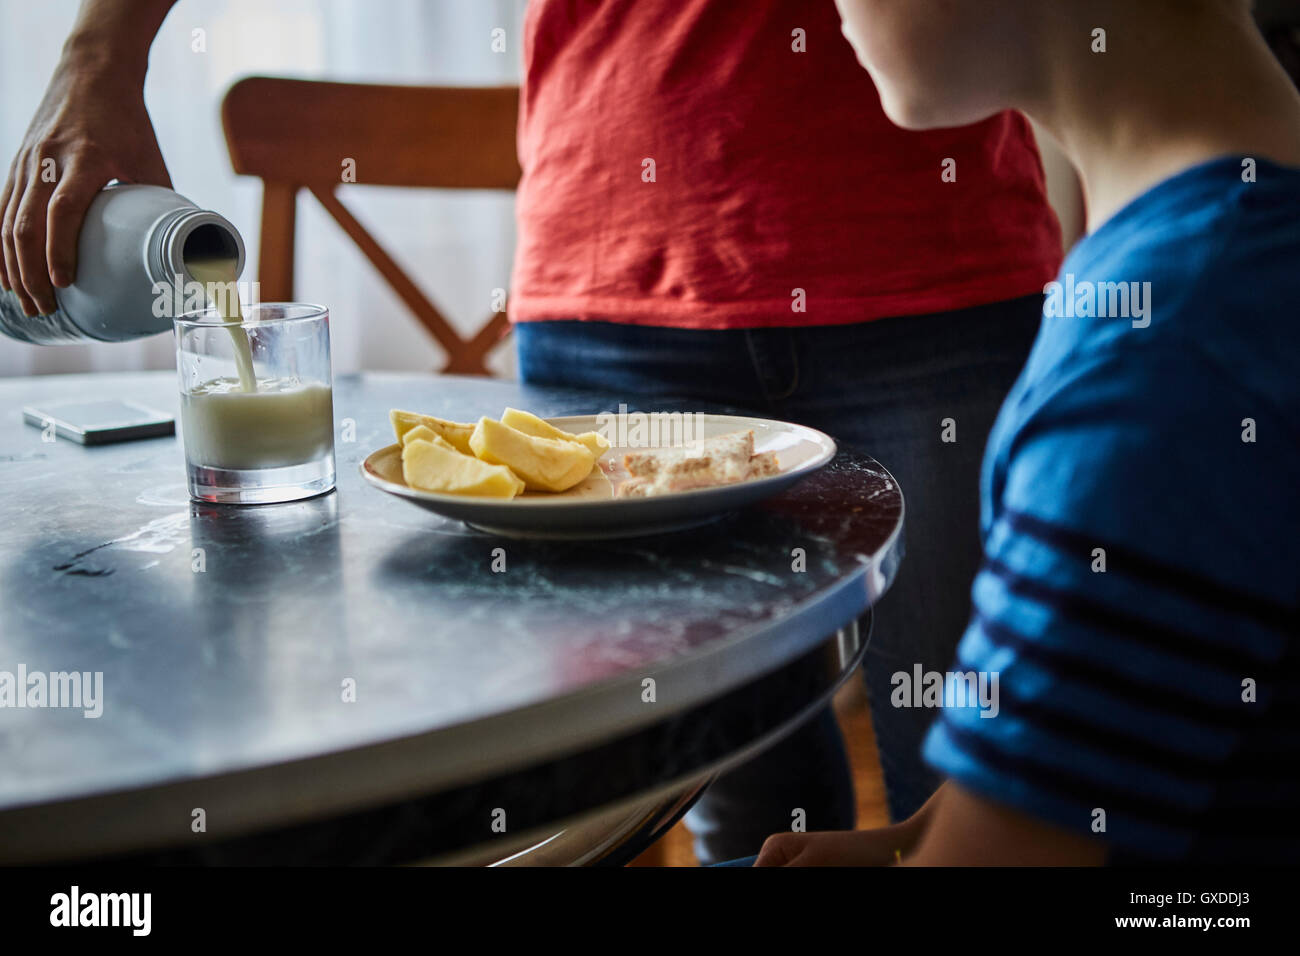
{"x": 257, "y": 408}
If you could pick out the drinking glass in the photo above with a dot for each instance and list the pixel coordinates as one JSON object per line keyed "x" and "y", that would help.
{"x": 269, "y": 444}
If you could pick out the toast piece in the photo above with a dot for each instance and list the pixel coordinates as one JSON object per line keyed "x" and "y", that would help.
{"x": 726, "y": 457}
{"x": 763, "y": 465}
{"x": 724, "y": 460}
{"x": 636, "y": 488}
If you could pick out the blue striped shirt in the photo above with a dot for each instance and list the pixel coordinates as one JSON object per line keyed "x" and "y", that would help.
{"x": 1139, "y": 599}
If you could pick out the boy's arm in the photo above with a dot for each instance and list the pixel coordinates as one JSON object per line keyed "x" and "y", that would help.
{"x": 955, "y": 828}
{"x": 965, "y": 829}
{"x": 878, "y": 847}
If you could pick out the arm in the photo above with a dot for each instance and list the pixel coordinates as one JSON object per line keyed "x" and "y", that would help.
{"x": 968, "y": 830}
{"x": 879, "y": 847}
{"x": 954, "y": 828}
{"x": 93, "y": 124}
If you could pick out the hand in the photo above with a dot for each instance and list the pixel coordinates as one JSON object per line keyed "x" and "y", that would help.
{"x": 883, "y": 846}
{"x": 94, "y": 126}
{"x": 837, "y": 847}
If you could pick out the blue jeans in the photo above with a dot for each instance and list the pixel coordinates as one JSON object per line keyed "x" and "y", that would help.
{"x": 886, "y": 387}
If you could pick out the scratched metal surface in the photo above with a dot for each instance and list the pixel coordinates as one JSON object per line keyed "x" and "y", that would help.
{"x": 241, "y": 665}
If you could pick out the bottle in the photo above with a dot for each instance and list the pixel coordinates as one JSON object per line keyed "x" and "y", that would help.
{"x": 131, "y": 268}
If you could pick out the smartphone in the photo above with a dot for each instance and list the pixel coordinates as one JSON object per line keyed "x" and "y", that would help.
{"x": 98, "y": 423}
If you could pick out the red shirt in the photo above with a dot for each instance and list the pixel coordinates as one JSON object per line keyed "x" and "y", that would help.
{"x": 774, "y": 170}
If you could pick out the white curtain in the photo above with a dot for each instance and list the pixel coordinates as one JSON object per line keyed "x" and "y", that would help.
{"x": 456, "y": 246}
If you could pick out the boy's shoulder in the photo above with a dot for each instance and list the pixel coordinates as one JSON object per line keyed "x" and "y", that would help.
{"x": 1198, "y": 278}
{"x": 1136, "y": 427}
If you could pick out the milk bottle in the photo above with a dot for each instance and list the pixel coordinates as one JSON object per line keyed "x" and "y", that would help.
{"x": 135, "y": 255}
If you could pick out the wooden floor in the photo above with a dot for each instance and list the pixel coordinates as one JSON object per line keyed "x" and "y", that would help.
{"x": 855, "y": 720}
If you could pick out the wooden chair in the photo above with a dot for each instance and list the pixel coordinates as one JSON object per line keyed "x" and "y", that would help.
{"x": 296, "y": 134}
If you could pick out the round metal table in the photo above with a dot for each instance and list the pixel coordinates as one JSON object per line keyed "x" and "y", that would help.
{"x": 348, "y": 679}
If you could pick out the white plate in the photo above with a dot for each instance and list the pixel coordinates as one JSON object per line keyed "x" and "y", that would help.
{"x": 591, "y": 510}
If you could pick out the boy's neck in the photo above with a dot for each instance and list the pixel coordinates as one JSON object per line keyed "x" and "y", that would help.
{"x": 1151, "y": 108}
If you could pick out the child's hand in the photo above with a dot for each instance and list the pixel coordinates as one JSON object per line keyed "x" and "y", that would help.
{"x": 837, "y": 848}
{"x": 880, "y": 847}
{"x": 954, "y": 828}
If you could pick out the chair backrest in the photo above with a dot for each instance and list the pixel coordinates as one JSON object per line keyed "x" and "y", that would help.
{"x": 296, "y": 134}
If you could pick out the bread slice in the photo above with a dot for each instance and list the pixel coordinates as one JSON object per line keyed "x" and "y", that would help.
{"x": 724, "y": 460}
{"x": 723, "y": 456}
{"x": 636, "y": 488}
{"x": 763, "y": 465}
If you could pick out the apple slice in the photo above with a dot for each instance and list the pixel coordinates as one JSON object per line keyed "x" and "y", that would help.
{"x": 437, "y": 466}
{"x": 545, "y": 464}
{"x": 455, "y": 432}
{"x": 530, "y": 424}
